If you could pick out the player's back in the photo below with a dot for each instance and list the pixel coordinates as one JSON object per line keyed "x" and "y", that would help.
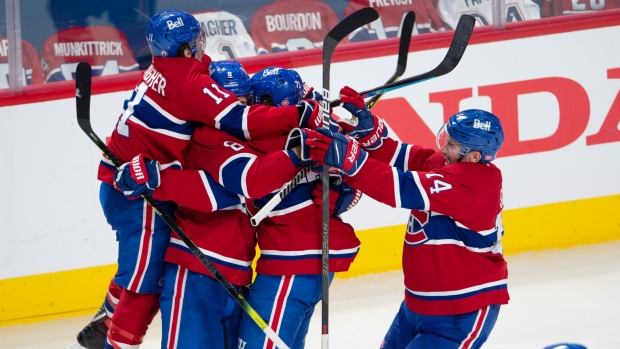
{"x": 291, "y": 25}
{"x": 162, "y": 112}
{"x": 105, "y": 48}
{"x": 514, "y": 11}
{"x": 391, "y": 16}
{"x": 289, "y": 238}
{"x": 226, "y": 36}
{"x": 32, "y": 73}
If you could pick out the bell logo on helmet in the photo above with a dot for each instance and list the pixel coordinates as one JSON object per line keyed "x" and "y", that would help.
{"x": 268, "y": 72}
{"x": 175, "y": 24}
{"x": 486, "y": 126}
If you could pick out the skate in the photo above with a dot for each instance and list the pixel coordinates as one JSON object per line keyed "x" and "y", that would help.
{"x": 93, "y": 336}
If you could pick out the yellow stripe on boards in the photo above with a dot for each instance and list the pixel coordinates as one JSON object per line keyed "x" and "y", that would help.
{"x": 558, "y": 225}
{"x": 53, "y": 295}
{"x": 562, "y": 225}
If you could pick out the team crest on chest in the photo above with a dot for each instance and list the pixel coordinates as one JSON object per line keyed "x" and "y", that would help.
{"x": 415, "y": 227}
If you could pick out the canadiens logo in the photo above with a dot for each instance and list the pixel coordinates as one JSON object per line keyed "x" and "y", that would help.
{"x": 415, "y": 227}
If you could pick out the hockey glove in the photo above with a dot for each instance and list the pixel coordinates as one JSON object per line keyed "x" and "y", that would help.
{"x": 311, "y": 93}
{"x": 342, "y": 152}
{"x": 303, "y": 138}
{"x": 311, "y": 115}
{"x": 368, "y": 129}
{"x": 134, "y": 177}
{"x": 342, "y": 197}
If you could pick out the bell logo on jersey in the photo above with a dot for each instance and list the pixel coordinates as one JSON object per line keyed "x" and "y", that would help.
{"x": 486, "y": 126}
{"x": 175, "y": 24}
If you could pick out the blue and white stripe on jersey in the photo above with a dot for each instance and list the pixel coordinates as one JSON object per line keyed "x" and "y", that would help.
{"x": 233, "y": 173}
{"x": 408, "y": 190}
{"x": 219, "y": 196}
{"x": 234, "y": 121}
{"x": 150, "y": 115}
{"x": 462, "y": 293}
{"x": 294, "y": 255}
{"x": 442, "y": 230}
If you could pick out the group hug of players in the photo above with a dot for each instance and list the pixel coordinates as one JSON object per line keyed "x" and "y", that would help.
{"x": 213, "y": 145}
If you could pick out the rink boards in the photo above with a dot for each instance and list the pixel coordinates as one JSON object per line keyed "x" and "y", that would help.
{"x": 555, "y": 86}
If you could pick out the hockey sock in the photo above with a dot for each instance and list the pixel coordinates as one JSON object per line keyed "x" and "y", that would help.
{"x": 132, "y": 317}
{"x": 112, "y": 297}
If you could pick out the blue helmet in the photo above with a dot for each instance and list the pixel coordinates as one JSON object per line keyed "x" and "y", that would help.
{"x": 284, "y": 86}
{"x": 168, "y": 30}
{"x": 475, "y": 129}
{"x": 231, "y": 76}
{"x": 565, "y": 346}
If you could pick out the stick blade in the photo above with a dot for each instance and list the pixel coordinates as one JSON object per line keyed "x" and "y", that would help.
{"x": 349, "y": 24}
{"x": 83, "y": 80}
{"x": 462, "y": 33}
{"x": 405, "y": 40}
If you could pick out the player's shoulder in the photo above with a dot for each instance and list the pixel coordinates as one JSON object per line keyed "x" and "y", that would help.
{"x": 471, "y": 171}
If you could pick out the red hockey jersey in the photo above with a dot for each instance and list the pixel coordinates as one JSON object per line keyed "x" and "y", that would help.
{"x": 172, "y": 98}
{"x": 225, "y": 235}
{"x": 452, "y": 255}
{"x": 104, "y": 48}
{"x": 391, "y": 16}
{"x": 566, "y": 7}
{"x": 290, "y": 238}
{"x": 291, "y": 25}
{"x": 32, "y": 73}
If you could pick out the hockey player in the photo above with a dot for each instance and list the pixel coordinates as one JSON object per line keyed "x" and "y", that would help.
{"x": 248, "y": 168}
{"x": 566, "y": 7}
{"x": 174, "y": 95}
{"x": 32, "y": 73}
{"x": 196, "y": 310}
{"x": 455, "y": 274}
{"x": 232, "y": 76}
{"x": 291, "y": 25}
{"x": 391, "y": 17}
{"x": 105, "y": 48}
{"x": 451, "y": 11}
{"x": 227, "y": 37}
{"x": 288, "y": 282}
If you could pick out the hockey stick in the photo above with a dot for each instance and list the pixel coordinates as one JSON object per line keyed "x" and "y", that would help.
{"x": 276, "y": 199}
{"x": 462, "y": 33}
{"x": 339, "y": 32}
{"x": 403, "y": 51}
{"x": 402, "y": 62}
{"x": 82, "y": 102}
{"x": 455, "y": 52}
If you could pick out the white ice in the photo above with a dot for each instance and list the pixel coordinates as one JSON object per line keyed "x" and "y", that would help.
{"x": 568, "y": 295}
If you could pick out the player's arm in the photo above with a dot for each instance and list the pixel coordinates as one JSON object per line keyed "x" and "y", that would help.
{"x": 220, "y": 108}
{"x": 379, "y": 180}
{"x": 239, "y": 168}
{"x": 372, "y": 134}
{"x": 189, "y": 188}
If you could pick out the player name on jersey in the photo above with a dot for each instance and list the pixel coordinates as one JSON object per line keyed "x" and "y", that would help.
{"x": 293, "y": 22}
{"x": 155, "y": 80}
{"x": 89, "y": 48}
{"x": 385, "y": 3}
{"x": 226, "y": 27}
